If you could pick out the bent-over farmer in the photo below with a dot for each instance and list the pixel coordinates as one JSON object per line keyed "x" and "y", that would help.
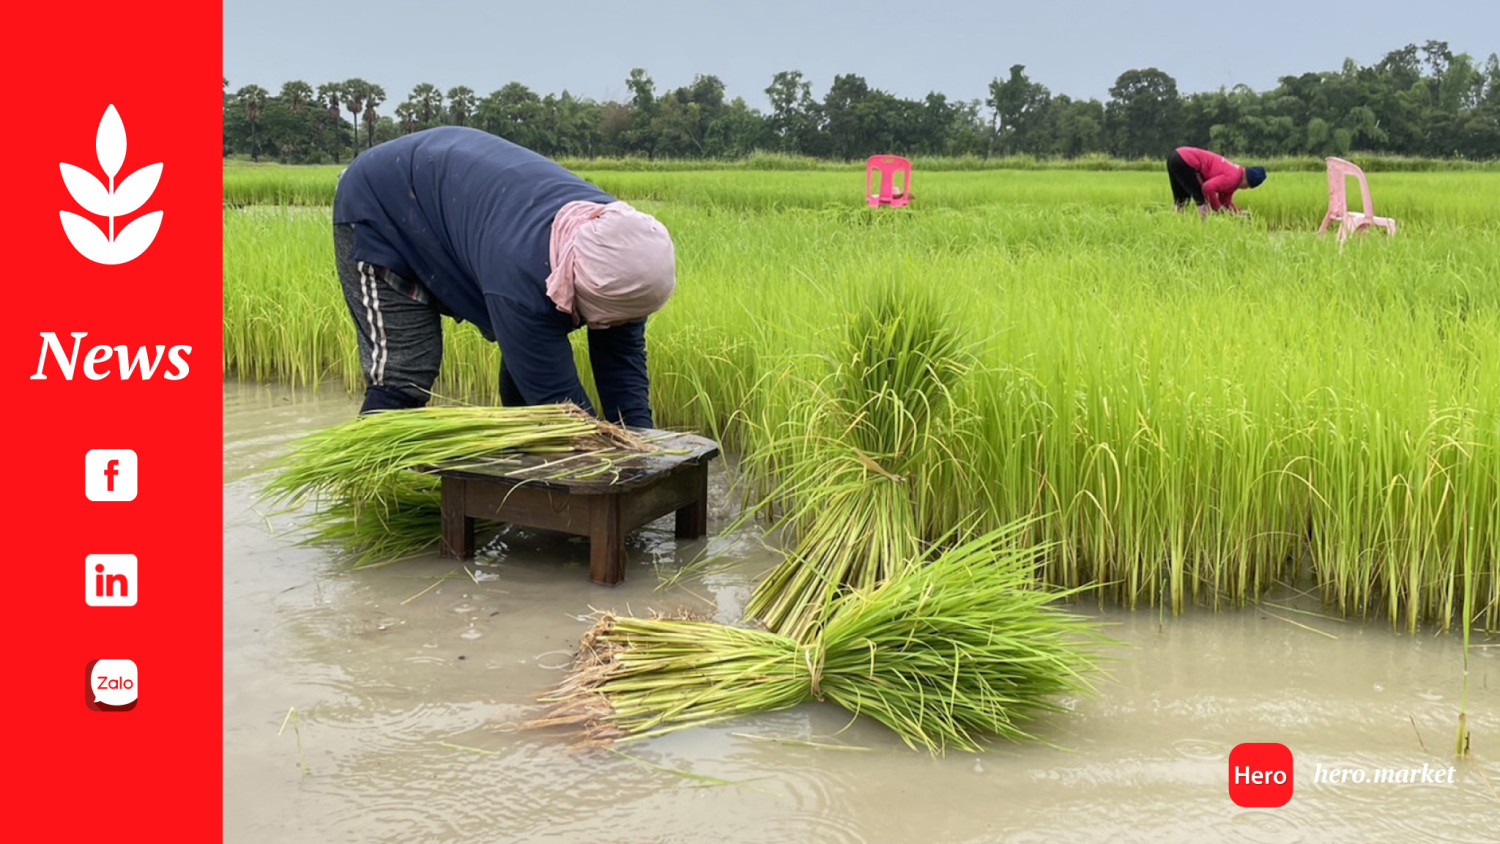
{"x": 1208, "y": 179}
{"x": 459, "y": 222}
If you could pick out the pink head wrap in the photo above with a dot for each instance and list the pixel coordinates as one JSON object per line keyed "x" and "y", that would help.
{"x": 610, "y": 263}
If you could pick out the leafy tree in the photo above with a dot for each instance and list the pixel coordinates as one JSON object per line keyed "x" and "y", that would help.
{"x": 846, "y": 125}
{"x": 736, "y": 131}
{"x": 680, "y": 125}
{"x": 571, "y": 125}
{"x": 1019, "y": 107}
{"x": 1143, "y": 113}
{"x": 514, "y": 112}
{"x": 642, "y": 111}
{"x": 794, "y": 119}
{"x": 1417, "y": 100}
{"x": 937, "y": 124}
{"x": 1078, "y": 127}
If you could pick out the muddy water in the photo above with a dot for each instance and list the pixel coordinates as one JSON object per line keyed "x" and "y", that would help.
{"x": 403, "y": 695}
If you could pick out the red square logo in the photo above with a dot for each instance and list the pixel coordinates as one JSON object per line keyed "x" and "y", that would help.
{"x": 1260, "y": 775}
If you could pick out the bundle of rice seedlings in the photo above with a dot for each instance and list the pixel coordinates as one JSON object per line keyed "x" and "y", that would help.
{"x": 853, "y": 529}
{"x": 946, "y": 653}
{"x": 864, "y": 454}
{"x": 373, "y": 505}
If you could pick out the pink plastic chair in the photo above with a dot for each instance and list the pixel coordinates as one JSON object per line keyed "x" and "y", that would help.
{"x": 1338, "y": 204}
{"x": 887, "y": 166}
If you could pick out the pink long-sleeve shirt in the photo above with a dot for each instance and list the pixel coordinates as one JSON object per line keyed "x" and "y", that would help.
{"x": 1220, "y": 176}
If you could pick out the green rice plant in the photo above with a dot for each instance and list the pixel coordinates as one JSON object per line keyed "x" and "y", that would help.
{"x": 267, "y": 184}
{"x": 364, "y": 475}
{"x": 948, "y": 654}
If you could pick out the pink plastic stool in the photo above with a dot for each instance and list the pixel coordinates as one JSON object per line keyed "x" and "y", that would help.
{"x": 1338, "y": 202}
{"x": 887, "y": 166}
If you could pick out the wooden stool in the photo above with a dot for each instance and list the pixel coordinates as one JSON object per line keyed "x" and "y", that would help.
{"x": 597, "y": 495}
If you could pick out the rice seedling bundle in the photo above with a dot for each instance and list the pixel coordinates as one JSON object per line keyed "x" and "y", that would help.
{"x": 856, "y": 462}
{"x": 948, "y": 654}
{"x": 363, "y": 475}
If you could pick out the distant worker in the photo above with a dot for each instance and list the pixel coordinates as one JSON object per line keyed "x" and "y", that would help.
{"x": 460, "y": 222}
{"x": 1208, "y": 179}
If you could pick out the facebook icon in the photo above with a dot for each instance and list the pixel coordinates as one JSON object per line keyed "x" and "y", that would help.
{"x": 109, "y": 474}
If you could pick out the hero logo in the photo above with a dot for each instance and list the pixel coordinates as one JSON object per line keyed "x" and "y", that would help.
{"x": 109, "y": 201}
{"x": 96, "y": 361}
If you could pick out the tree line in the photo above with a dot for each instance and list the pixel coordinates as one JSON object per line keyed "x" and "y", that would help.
{"x": 1422, "y": 101}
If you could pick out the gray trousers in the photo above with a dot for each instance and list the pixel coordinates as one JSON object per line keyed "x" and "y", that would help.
{"x": 400, "y": 335}
{"x": 399, "y": 327}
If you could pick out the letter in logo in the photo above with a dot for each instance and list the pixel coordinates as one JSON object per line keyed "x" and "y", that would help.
{"x": 109, "y": 201}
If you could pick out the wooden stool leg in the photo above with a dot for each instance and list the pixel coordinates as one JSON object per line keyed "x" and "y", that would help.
{"x": 458, "y": 526}
{"x": 692, "y": 520}
{"x": 606, "y": 540}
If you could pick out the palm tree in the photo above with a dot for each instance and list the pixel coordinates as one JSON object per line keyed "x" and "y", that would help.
{"x": 460, "y": 105}
{"x": 252, "y": 99}
{"x": 374, "y": 96}
{"x": 428, "y": 101}
{"x": 296, "y": 94}
{"x": 355, "y": 91}
{"x": 328, "y": 95}
{"x": 406, "y": 115}
{"x": 223, "y": 111}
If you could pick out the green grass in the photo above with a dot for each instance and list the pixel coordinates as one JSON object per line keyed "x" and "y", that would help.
{"x": 1187, "y": 412}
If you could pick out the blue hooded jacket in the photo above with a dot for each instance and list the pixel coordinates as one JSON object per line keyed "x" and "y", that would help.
{"x": 469, "y": 215}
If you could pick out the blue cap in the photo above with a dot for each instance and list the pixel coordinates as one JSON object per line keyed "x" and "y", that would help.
{"x": 1254, "y": 176}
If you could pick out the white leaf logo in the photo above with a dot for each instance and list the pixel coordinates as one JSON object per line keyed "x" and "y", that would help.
{"x": 110, "y": 201}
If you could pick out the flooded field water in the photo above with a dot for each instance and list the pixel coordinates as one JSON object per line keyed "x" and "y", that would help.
{"x": 405, "y": 697}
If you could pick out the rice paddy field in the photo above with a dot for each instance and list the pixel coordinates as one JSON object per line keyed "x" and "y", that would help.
{"x": 1266, "y": 466}
{"x": 1191, "y": 414}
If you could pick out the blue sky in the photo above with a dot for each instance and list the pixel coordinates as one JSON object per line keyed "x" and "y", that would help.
{"x": 1075, "y": 47}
